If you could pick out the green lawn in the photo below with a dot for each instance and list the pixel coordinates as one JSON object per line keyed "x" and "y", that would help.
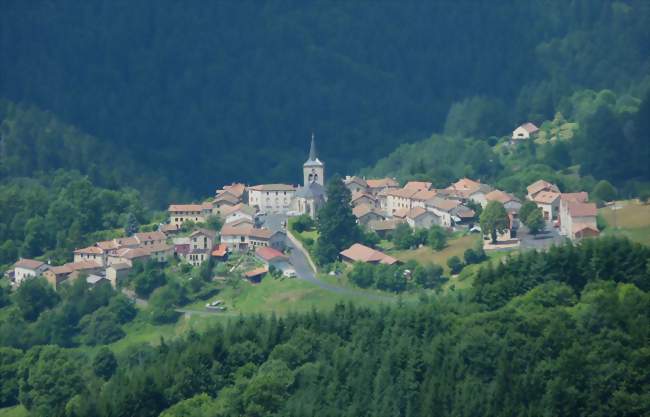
{"x": 631, "y": 220}
{"x": 455, "y": 247}
{"x": 17, "y": 411}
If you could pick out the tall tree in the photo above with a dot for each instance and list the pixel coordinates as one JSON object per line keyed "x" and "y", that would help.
{"x": 337, "y": 226}
{"x": 494, "y": 220}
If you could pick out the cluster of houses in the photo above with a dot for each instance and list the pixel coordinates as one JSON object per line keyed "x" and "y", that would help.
{"x": 379, "y": 204}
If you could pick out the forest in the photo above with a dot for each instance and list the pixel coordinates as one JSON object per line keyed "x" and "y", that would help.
{"x": 198, "y": 96}
{"x": 537, "y": 334}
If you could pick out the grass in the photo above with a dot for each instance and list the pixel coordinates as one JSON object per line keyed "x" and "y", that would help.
{"x": 424, "y": 254}
{"x": 16, "y": 411}
{"x": 282, "y": 296}
{"x": 632, "y": 220}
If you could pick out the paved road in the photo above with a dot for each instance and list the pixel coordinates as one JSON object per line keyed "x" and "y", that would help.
{"x": 304, "y": 271}
{"x": 541, "y": 241}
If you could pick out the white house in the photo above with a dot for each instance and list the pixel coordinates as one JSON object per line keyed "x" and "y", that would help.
{"x": 271, "y": 198}
{"x": 249, "y": 238}
{"x": 28, "y": 268}
{"x": 549, "y": 203}
{"x": 419, "y": 217}
{"x": 524, "y": 132}
{"x": 181, "y": 213}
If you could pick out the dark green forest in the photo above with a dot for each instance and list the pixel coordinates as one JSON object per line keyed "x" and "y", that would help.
{"x": 562, "y": 333}
{"x": 197, "y": 96}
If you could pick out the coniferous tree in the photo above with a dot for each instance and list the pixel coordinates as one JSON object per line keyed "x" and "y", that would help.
{"x": 337, "y": 226}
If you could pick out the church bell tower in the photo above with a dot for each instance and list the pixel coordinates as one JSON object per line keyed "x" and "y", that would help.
{"x": 313, "y": 170}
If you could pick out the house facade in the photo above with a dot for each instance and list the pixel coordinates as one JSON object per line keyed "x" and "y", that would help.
{"x": 271, "y": 198}
{"x": 28, "y": 268}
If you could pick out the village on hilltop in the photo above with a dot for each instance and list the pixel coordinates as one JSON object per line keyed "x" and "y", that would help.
{"x": 253, "y": 220}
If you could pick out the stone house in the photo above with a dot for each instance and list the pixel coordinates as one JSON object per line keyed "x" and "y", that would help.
{"x": 364, "y": 199}
{"x": 510, "y": 202}
{"x": 443, "y": 208}
{"x": 92, "y": 253}
{"x": 421, "y": 218}
{"x": 117, "y": 273}
{"x": 366, "y": 214}
{"x": 377, "y": 185}
{"x": 356, "y": 185}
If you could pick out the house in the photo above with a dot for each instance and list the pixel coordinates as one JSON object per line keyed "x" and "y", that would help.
{"x": 479, "y": 194}
{"x": 417, "y": 185}
{"x": 246, "y": 238}
{"x": 356, "y": 185}
{"x": 256, "y": 275}
{"x": 169, "y": 229}
{"x": 236, "y": 189}
{"x": 92, "y": 253}
{"x": 420, "y": 198}
{"x": 565, "y": 200}
{"x": 418, "y": 217}
{"x": 28, "y": 268}
{"x": 377, "y": 185}
{"x": 580, "y": 220}
{"x": 509, "y": 201}
{"x": 55, "y": 275}
{"x": 384, "y": 227}
{"x": 222, "y": 202}
{"x": 539, "y": 186}
{"x": 463, "y": 215}
{"x": 362, "y": 253}
{"x": 220, "y": 252}
{"x": 271, "y": 198}
{"x": 239, "y": 212}
{"x": 242, "y": 223}
{"x": 398, "y": 198}
{"x": 365, "y": 214}
{"x": 362, "y": 198}
{"x": 443, "y": 208}
{"x": 462, "y": 189}
{"x": 128, "y": 256}
{"x": 117, "y": 273}
{"x": 160, "y": 252}
{"x": 181, "y": 213}
{"x": 548, "y": 202}
{"x": 273, "y": 257}
{"x": 145, "y": 239}
{"x": 201, "y": 242}
{"x": 524, "y": 132}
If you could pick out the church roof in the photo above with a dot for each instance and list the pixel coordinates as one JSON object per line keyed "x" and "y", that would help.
{"x": 313, "y": 191}
{"x": 313, "y": 156}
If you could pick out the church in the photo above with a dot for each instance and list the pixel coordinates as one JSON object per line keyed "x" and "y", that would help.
{"x": 311, "y": 196}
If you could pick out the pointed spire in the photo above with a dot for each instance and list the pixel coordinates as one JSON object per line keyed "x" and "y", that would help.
{"x": 312, "y": 148}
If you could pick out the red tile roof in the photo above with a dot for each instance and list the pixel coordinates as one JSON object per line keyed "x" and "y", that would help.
{"x": 256, "y": 272}
{"x": 185, "y": 207}
{"x": 220, "y": 251}
{"x": 418, "y": 185}
{"x": 582, "y": 209}
{"x": 28, "y": 263}
{"x": 362, "y": 253}
{"x": 382, "y": 183}
{"x": 541, "y": 185}
{"x": 500, "y": 196}
{"x": 273, "y": 187}
{"x": 268, "y": 254}
{"x": 546, "y": 197}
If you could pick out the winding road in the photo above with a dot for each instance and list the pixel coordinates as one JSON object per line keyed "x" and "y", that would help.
{"x": 298, "y": 258}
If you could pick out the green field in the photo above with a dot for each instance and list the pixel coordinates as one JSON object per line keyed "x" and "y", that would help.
{"x": 632, "y": 220}
{"x": 455, "y": 247}
{"x": 17, "y": 411}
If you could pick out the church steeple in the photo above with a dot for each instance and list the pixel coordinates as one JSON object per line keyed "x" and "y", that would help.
{"x": 312, "y": 148}
{"x": 313, "y": 170}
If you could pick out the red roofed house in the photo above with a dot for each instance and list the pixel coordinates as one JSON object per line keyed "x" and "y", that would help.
{"x": 366, "y": 214}
{"x": 418, "y": 185}
{"x": 580, "y": 221}
{"x": 549, "y": 203}
{"x": 565, "y": 200}
{"x": 539, "y": 186}
{"x": 362, "y": 253}
{"x": 245, "y": 238}
{"x": 510, "y": 202}
{"x": 91, "y": 253}
{"x": 524, "y": 132}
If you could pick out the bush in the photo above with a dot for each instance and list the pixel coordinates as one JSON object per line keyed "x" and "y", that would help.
{"x": 437, "y": 237}
{"x": 455, "y": 264}
{"x": 302, "y": 223}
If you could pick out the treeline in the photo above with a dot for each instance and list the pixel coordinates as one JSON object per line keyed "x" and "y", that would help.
{"x": 76, "y": 314}
{"x": 572, "y": 343}
{"x": 51, "y": 215}
{"x": 35, "y": 143}
{"x": 603, "y": 128}
{"x": 209, "y": 94}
